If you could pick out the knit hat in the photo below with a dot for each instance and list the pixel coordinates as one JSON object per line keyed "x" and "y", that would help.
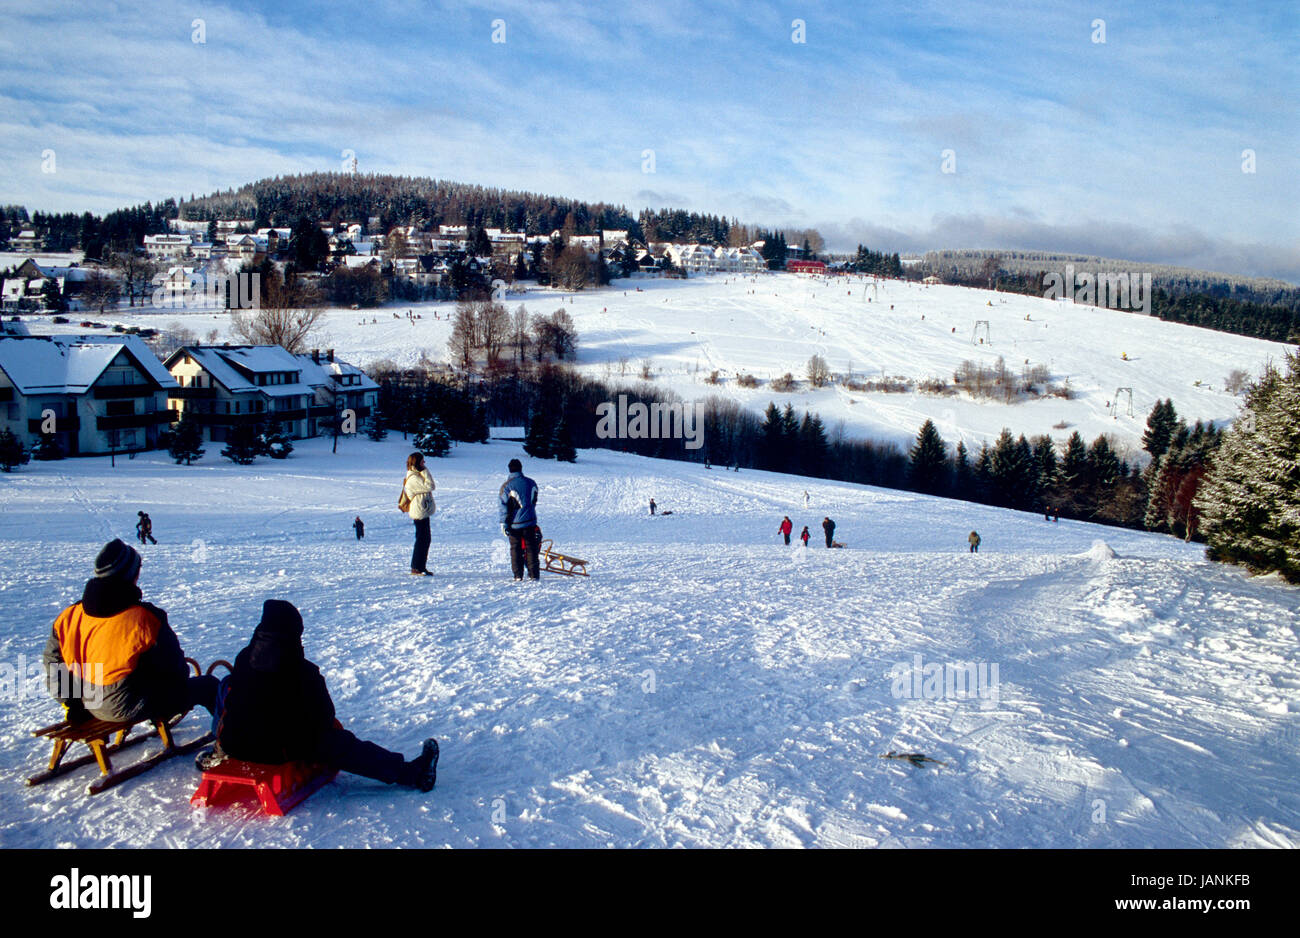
{"x": 515, "y": 466}
{"x": 280, "y": 618}
{"x": 117, "y": 560}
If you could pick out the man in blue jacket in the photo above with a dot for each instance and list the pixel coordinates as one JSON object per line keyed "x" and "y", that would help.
{"x": 518, "y": 499}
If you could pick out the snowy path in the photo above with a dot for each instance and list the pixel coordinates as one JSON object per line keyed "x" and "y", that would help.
{"x": 706, "y": 686}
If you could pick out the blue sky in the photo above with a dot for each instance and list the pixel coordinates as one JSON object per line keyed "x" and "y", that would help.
{"x": 1130, "y": 148}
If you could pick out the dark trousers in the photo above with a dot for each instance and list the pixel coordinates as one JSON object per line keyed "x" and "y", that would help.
{"x": 787, "y": 539}
{"x": 146, "y": 534}
{"x": 360, "y": 534}
{"x": 524, "y": 544}
{"x": 830, "y": 537}
{"x": 974, "y": 548}
{"x": 420, "y": 555}
{"x": 345, "y": 751}
{"x": 195, "y": 692}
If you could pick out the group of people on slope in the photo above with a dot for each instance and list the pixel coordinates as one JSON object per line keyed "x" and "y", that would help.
{"x": 517, "y": 500}
{"x": 113, "y": 656}
{"x": 787, "y": 527}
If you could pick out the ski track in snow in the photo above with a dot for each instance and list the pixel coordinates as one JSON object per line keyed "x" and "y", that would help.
{"x": 707, "y": 686}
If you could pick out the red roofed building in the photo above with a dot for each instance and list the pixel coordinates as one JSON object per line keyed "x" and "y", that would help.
{"x": 805, "y": 267}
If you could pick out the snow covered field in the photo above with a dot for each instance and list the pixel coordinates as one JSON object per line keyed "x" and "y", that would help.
{"x": 707, "y": 686}
{"x": 772, "y": 324}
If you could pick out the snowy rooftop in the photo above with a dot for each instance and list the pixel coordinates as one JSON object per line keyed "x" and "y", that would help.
{"x": 236, "y": 367}
{"x": 72, "y": 364}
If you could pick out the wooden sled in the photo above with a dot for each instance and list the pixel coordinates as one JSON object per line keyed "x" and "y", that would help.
{"x": 278, "y": 788}
{"x": 557, "y": 562}
{"x": 96, "y": 734}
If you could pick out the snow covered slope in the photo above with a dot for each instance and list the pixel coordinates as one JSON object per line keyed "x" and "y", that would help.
{"x": 772, "y": 324}
{"x": 706, "y": 686}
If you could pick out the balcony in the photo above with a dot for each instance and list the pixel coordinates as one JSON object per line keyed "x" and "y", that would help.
{"x": 192, "y": 394}
{"x": 61, "y": 424}
{"x": 118, "y": 391}
{"x": 134, "y": 421}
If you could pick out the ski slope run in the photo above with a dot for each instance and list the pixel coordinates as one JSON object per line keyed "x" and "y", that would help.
{"x": 773, "y": 323}
{"x": 707, "y": 686}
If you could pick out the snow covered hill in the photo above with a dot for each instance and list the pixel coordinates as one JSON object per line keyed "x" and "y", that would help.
{"x": 772, "y": 324}
{"x": 707, "y": 686}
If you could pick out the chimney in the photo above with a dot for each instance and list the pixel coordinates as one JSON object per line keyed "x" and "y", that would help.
{"x": 329, "y": 355}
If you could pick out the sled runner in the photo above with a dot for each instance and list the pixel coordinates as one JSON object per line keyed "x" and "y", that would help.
{"x": 278, "y": 788}
{"x": 96, "y": 735}
{"x": 557, "y": 562}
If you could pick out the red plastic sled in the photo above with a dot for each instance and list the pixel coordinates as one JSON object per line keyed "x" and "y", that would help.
{"x": 279, "y": 788}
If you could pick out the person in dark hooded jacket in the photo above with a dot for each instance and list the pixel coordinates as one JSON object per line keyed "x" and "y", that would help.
{"x": 275, "y": 708}
{"x": 114, "y": 656}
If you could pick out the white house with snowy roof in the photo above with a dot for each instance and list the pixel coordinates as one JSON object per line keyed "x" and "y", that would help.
{"x": 95, "y": 394}
{"x": 226, "y": 386}
{"x": 339, "y": 387}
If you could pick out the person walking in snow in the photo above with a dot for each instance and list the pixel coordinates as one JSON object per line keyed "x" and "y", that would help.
{"x": 805, "y": 498}
{"x": 144, "y": 528}
{"x": 652, "y": 506}
{"x": 419, "y": 487}
{"x": 274, "y": 707}
{"x": 803, "y": 535}
{"x": 974, "y": 541}
{"x": 786, "y": 527}
{"x": 360, "y": 527}
{"x": 518, "y": 499}
{"x": 113, "y": 656}
{"x": 828, "y": 528}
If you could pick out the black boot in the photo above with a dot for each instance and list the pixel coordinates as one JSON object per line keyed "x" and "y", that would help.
{"x": 422, "y": 771}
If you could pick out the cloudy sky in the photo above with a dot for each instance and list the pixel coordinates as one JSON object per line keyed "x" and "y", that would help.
{"x": 1132, "y": 147}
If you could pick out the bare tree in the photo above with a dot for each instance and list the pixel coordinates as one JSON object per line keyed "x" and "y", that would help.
{"x": 493, "y": 329}
{"x": 464, "y": 333}
{"x": 819, "y": 373}
{"x": 137, "y": 272}
{"x": 287, "y": 316}
{"x": 101, "y": 289}
{"x": 519, "y": 332}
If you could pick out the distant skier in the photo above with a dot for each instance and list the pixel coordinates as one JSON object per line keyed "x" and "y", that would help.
{"x": 803, "y": 535}
{"x": 828, "y": 526}
{"x": 805, "y": 498}
{"x": 275, "y": 708}
{"x": 144, "y": 528}
{"x": 974, "y": 541}
{"x": 518, "y": 498}
{"x": 652, "y": 506}
{"x": 360, "y": 527}
{"x": 1056, "y": 515}
{"x": 786, "y": 527}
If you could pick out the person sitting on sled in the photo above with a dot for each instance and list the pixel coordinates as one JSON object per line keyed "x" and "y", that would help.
{"x": 113, "y": 656}
{"x": 274, "y": 708}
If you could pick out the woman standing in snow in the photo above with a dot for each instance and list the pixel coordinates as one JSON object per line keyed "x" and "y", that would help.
{"x": 419, "y": 489}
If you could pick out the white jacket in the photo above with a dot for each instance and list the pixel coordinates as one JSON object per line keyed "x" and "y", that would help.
{"x": 419, "y": 488}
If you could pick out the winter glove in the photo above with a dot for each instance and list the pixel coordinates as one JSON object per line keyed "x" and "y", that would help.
{"x": 505, "y": 530}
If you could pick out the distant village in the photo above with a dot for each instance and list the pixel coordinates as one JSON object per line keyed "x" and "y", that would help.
{"x": 354, "y": 264}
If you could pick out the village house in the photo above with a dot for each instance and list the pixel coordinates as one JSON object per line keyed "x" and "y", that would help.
{"x": 25, "y": 242}
{"x": 167, "y": 246}
{"x": 226, "y": 386}
{"x": 99, "y": 394}
{"x": 339, "y": 387}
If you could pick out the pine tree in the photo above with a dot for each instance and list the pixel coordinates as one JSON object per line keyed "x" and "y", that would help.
{"x": 243, "y": 445}
{"x": 1073, "y": 475}
{"x": 12, "y": 452}
{"x": 432, "y": 439}
{"x": 963, "y": 473}
{"x": 187, "y": 441}
{"x": 1250, "y": 497}
{"x": 375, "y": 428}
{"x": 771, "y": 446}
{"x": 1162, "y": 423}
{"x": 814, "y": 448}
{"x": 537, "y": 440}
{"x": 1046, "y": 469}
{"x": 47, "y": 448}
{"x": 478, "y": 431}
{"x": 1104, "y": 474}
{"x": 562, "y": 442}
{"x": 929, "y": 468}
